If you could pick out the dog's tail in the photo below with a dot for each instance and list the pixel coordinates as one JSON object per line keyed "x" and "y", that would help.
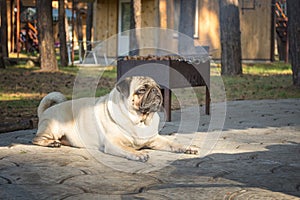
{"x": 50, "y": 100}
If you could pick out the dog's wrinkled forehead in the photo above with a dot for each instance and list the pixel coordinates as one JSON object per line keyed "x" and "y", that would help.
{"x": 130, "y": 84}
{"x": 139, "y": 81}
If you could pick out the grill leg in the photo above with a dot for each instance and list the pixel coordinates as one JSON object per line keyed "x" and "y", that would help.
{"x": 207, "y": 101}
{"x": 167, "y": 103}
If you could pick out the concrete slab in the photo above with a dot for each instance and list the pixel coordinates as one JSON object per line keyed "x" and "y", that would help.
{"x": 256, "y": 156}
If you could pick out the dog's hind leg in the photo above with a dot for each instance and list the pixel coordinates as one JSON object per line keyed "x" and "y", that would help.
{"x": 46, "y": 140}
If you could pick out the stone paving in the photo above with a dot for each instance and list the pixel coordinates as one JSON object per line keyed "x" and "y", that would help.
{"x": 256, "y": 156}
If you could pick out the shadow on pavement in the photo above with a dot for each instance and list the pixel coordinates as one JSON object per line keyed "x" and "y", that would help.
{"x": 277, "y": 169}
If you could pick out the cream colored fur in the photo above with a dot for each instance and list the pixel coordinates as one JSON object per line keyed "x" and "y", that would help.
{"x": 108, "y": 124}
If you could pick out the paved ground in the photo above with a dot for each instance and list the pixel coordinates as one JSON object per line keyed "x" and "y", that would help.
{"x": 257, "y": 156}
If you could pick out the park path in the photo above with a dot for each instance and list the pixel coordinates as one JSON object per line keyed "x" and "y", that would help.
{"x": 256, "y": 156}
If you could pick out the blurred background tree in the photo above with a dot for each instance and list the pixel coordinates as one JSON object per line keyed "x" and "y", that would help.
{"x": 46, "y": 39}
{"x": 3, "y": 39}
{"x": 231, "y": 53}
{"x": 63, "y": 51}
{"x": 293, "y": 8}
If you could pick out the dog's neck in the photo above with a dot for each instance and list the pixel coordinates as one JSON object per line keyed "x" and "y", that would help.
{"x": 146, "y": 118}
{"x": 115, "y": 107}
{"x": 143, "y": 124}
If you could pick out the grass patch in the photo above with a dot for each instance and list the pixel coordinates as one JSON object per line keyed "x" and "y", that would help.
{"x": 260, "y": 87}
{"x": 22, "y": 88}
{"x": 268, "y": 69}
{"x": 259, "y": 81}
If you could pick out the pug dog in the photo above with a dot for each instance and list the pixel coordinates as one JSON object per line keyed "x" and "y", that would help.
{"x": 121, "y": 123}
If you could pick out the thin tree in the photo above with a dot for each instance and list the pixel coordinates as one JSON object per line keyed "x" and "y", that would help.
{"x": 2, "y": 64}
{"x": 3, "y": 47}
{"x": 89, "y": 25}
{"x": 46, "y": 40}
{"x": 293, "y": 7}
{"x": 135, "y": 7}
{"x": 231, "y": 53}
{"x": 79, "y": 12}
{"x": 186, "y": 26}
{"x": 63, "y": 51}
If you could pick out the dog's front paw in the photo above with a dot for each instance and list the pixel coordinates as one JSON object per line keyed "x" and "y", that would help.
{"x": 191, "y": 150}
{"x": 139, "y": 156}
{"x": 188, "y": 150}
{"x": 54, "y": 144}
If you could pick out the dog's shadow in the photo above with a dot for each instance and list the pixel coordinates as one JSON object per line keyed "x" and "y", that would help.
{"x": 17, "y": 137}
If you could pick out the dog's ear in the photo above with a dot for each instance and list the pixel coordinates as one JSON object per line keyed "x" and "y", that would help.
{"x": 123, "y": 86}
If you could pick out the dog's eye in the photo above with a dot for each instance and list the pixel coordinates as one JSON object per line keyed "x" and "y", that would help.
{"x": 141, "y": 91}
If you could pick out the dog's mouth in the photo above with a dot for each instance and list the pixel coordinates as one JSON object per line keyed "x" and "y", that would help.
{"x": 147, "y": 110}
{"x": 151, "y": 101}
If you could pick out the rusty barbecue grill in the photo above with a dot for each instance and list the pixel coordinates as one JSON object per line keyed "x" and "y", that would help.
{"x": 170, "y": 72}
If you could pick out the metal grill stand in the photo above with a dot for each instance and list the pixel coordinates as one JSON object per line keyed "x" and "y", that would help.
{"x": 179, "y": 73}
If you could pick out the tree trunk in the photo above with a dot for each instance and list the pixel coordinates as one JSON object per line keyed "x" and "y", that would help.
{"x": 293, "y": 7}
{"x": 2, "y": 63}
{"x": 79, "y": 30}
{"x": 46, "y": 40}
{"x": 89, "y": 25}
{"x": 135, "y": 6}
{"x": 4, "y": 41}
{"x": 231, "y": 53}
{"x": 186, "y": 26}
{"x": 62, "y": 34}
